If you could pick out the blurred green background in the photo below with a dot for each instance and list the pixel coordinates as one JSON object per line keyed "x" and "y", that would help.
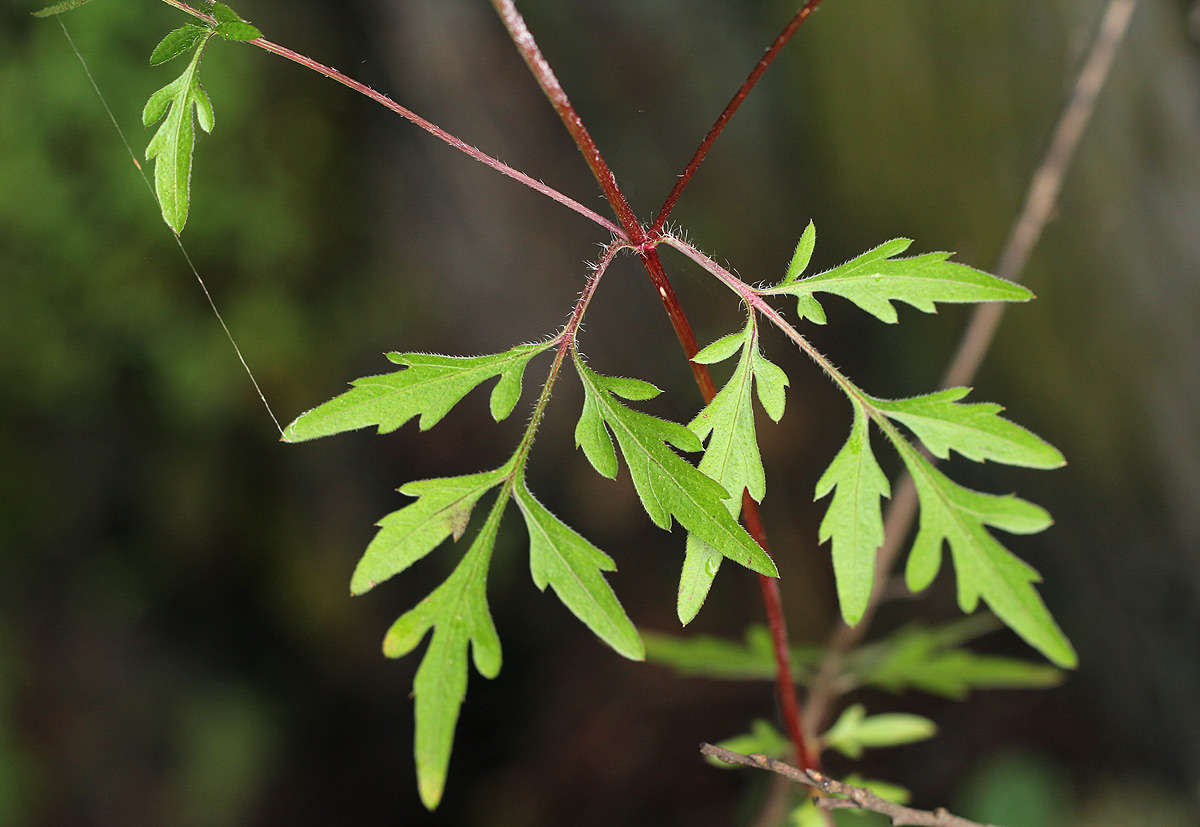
{"x": 177, "y": 645}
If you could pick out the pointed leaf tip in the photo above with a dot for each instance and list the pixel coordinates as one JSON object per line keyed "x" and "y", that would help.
{"x": 569, "y": 564}
{"x": 176, "y": 42}
{"x": 854, "y": 519}
{"x": 428, "y": 386}
{"x": 803, "y": 254}
{"x": 667, "y": 485}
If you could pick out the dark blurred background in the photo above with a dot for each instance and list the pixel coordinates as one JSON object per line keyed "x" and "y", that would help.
{"x": 176, "y": 641}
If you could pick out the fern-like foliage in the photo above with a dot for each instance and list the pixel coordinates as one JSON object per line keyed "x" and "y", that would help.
{"x": 705, "y": 498}
{"x": 950, "y": 513}
{"x": 174, "y": 142}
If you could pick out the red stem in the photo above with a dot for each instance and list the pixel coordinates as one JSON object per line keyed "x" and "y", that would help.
{"x": 550, "y": 85}
{"x": 734, "y": 102}
{"x": 527, "y": 46}
{"x": 785, "y": 684}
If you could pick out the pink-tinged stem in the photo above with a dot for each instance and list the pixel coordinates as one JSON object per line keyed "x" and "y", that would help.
{"x": 734, "y": 102}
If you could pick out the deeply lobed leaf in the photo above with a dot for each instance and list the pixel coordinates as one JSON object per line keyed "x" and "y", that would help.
{"x": 443, "y": 509}
{"x": 975, "y": 430}
{"x": 430, "y": 385}
{"x": 732, "y": 457}
{"x": 854, "y": 519}
{"x": 667, "y": 485}
{"x": 175, "y": 140}
{"x": 876, "y": 278}
{"x": 983, "y": 567}
{"x": 458, "y": 613}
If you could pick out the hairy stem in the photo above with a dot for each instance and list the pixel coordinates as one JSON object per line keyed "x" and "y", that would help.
{"x": 523, "y": 39}
{"x": 718, "y": 126}
{"x": 566, "y": 341}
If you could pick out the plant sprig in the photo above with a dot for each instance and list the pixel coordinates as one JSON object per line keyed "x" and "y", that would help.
{"x": 705, "y": 498}
{"x": 174, "y": 142}
{"x": 950, "y": 513}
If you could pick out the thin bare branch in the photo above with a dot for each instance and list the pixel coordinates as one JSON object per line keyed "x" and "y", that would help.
{"x": 1039, "y": 205}
{"x": 837, "y": 795}
{"x": 539, "y": 67}
{"x": 736, "y": 101}
{"x": 433, "y": 129}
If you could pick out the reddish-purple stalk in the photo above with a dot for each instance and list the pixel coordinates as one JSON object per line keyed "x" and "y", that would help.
{"x": 645, "y": 244}
{"x": 736, "y": 101}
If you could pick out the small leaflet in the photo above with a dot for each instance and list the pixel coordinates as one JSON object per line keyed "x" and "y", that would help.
{"x": 732, "y": 457}
{"x": 430, "y": 385}
{"x": 984, "y": 569}
{"x": 976, "y": 430}
{"x": 458, "y": 613}
{"x": 876, "y": 278}
{"x": 854, "y": 519}
{"x": 569, "y": 564}
{"x": 442, "y": 509}
{"x": 668, "y": 486}
{"x": 174, "y": 142}
{"x": 855, "y": 731}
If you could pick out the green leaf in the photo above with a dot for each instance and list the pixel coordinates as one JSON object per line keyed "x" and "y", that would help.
{"x": 173, "y": 143}
{"x": 176, "y": 42}
{"x": 983, "y": 567}
{"x": 930, "y": 660}
{"x": 430, "y": 385}
{"x": 458, "y": 613}
{"x": 59, "y": 8}
{"x": 875, "y": 279}
{"x": 443, "y": 509}
{"x": 854, "y": 519}
{"x": 974, "y": 430}
{"x": 721, "y": 349}
{"x": 803, "y": 254}
{"x": 238, "y": 30}
{"x": 854, "y": 731}
{"x": 703, "y": 656}
{"x": 667, "y": 485}
{"x": 571, "y": 565}
{"x": 762, "y": 739}
{"x": 224, "y": 14}
{"x": 732, "y": 457}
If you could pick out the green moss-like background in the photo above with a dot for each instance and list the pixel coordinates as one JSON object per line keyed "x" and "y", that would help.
{"x": 177, "y": 645}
